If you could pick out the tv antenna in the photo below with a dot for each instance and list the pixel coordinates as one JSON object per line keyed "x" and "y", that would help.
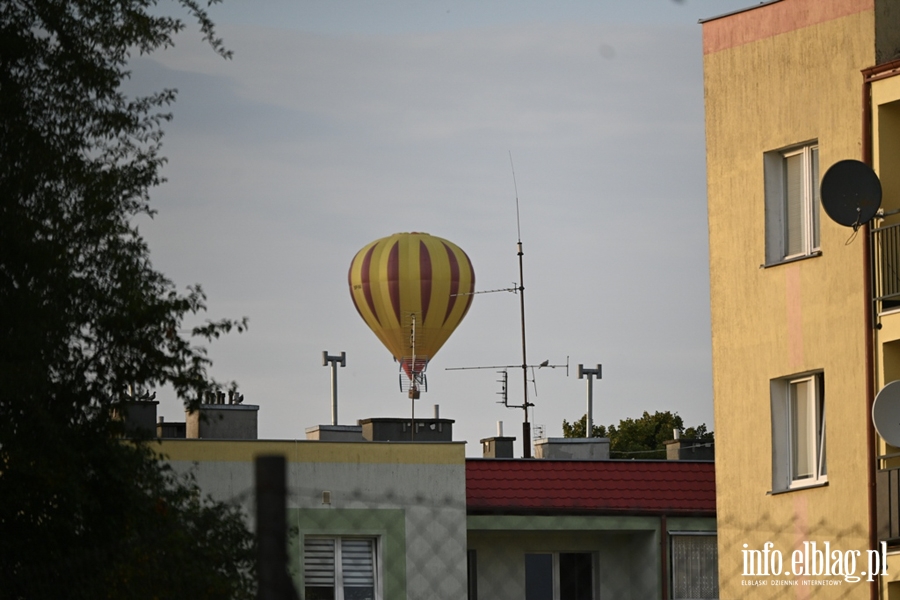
{"x": 526, "y": 424}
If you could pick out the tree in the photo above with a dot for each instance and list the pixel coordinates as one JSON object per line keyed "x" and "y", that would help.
{"x": 83, "y": 315}
{"x": 639, "y": 438}
{"x": 576, "y": 429}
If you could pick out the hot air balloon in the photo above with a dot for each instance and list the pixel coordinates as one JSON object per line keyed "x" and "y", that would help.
{"x": 412, "y": 290}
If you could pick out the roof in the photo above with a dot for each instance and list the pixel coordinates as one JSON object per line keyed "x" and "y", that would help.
{"x": 517, "y": 486}
{"x": 740, "y": 10}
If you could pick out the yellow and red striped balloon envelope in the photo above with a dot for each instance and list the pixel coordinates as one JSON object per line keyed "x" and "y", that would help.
{"x": 412, "y": 282}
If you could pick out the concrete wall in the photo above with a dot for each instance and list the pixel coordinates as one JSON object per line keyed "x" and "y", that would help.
{"x": 171, "y": 429}
{"x": 774, "y": 76}
{"x": 335, "y": 433}
{"x": 223, "y": 422}
{"x": 498, "y": 447}
{"x": 572, "y": 448}
{"x": 411, "y": 496}
{"x": 388, "y": 429}
{"x": 690, "y": 449}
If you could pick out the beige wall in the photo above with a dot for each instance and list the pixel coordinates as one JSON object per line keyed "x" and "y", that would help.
{"x": 775, "y": 76}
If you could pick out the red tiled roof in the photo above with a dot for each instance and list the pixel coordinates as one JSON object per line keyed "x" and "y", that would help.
{"x": 578, "y": 486}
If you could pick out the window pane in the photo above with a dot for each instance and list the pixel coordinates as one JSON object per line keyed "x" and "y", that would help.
{"x": 358, "y": 569}
{"x": 803, "y": 439}
{"x": 318, "y": 563}
{"x": 695, "y": 567}
{"x": 359, "y": 593}
{"x": 820, "y": 425}
{"x": 814, "y": 168}
{"x": 793, "y": 204}
{"x": 575, "y": 576}
{"x": 538, "y": 577}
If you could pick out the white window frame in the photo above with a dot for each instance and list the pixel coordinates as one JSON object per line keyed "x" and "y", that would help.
{"x": 798, "y": 418}
{"x": 338, "y": 571}
{"x": 778, "y": 205}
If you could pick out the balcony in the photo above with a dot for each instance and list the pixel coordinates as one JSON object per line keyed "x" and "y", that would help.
{"x": 887, "y": 494}
{"x": 886, "y": 267}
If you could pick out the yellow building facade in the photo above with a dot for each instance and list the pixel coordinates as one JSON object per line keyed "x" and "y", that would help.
{"x": 796, "y": 353}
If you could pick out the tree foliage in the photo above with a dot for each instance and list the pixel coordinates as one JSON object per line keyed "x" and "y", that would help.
{"x": 639, "y": 438}
{"x": 83, "y": 315}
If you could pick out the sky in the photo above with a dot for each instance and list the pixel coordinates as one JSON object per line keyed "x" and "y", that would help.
{"x": 338, "y": 123}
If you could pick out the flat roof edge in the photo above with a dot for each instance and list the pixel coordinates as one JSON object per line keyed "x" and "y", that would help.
{"x": 738, "y": 11}
{"x": 516, "y": 511}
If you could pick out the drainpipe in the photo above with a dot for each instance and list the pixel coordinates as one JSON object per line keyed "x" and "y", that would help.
{"x": 870, "y": 335}
{"x": 664, "y": 555}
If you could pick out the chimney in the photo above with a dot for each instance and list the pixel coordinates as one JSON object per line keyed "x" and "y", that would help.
{"x": 389, "y": 429}
{"x": 497, "y": 447}
{"x": 689, "y": 449}
{"x": 220, "y": 421}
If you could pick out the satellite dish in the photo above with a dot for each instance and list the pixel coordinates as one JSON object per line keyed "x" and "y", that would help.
{"x": 851, "y": 193}
{"x": 886, "y": 413}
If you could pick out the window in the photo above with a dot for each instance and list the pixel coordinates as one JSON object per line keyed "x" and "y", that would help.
{"x": 560, "y": 576}
{"x": 695, "y": 565}
{"x": 339, "y": 568}
{"x": 798, "y": 432}
{"x": 792, "y": 202}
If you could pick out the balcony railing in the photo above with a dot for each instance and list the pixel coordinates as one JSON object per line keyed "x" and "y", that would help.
{"x": 886, "y": 266}
{"x": 887, "y": 493}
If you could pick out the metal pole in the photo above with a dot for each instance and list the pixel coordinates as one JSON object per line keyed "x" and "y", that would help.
{"x": 413, "y": 388}
{"x": 589, "y": 420}
{"x": 334, "y": 360}
{"x": 334, "y": 410}
{"x": 589, "y": 415}
{"x": 869, "y": 325}
{"x": 271, "y": 529}
{"x": 526, "y": 426}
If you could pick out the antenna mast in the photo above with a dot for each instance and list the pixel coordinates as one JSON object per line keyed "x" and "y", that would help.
{"x": 526, "y": 426}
